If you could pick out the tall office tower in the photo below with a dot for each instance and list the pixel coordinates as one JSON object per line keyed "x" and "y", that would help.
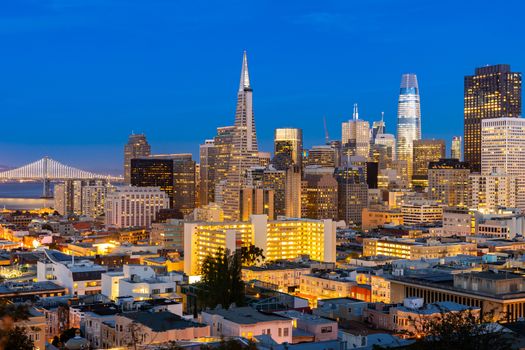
{"x": 197, "y": 182}
{"x": 256, "y": 201}
{"x": 172, "y": 173}
{"x": 94, "y": 198}
{"x": 244, "y": 153}
{"x": 129, "y": 206}
{"x": 424, "y": 152}
{"x": 383, "y": 150}
{"x": 356, "y": 136}
{"x": 208, "y": 158}
{"x": 224, "y": 144}
{"x": 319, "y": 193}
{"x": 378, "y": 127}
{"x": 276, "y": 180}
{"x": 321, "y": 155}
{"x": 493, "y": 92}
{"x": 448, "y": 182}
{"x": 352, "y": 193}
{"x": 503, "y": 150}
{"x": 455, "y": 149}
{"x": 288, "y": 148}
{"x": 408, "y": 119}
{"x": 136, "y": 147}
{"x": 490, "y": 192}
{"x": 292, "y": 191}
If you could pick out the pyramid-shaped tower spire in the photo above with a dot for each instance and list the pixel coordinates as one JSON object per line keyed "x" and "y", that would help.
{"x": 245, "y": 75}
{"x": 356, "y": 112}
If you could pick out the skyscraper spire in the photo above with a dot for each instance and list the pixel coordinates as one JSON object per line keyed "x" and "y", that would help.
{"x": 245, "y": 75}
{"x": 244, "y": 151}
{"x": 382, "y": 124}
{"x": 356, "y": 112}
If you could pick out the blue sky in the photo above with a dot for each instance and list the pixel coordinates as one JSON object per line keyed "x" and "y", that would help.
{"x": 77, "y": 76}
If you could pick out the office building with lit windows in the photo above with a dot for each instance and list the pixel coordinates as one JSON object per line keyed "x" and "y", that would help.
{"x": 352, "y": 193}
{"x": 455, "y": 148}
{"x": 173, "y": 173}
{"x": 424, "y": 152}
{"x": 355, "y": 138}
{"x": 448, "y": 182}
{"x": 280, "y": 239}
{"x": 319, "y": 193}
{"x": 207, "y": 171}
{"x": 324, "y": 155}
{"x": 408, "y": 119}
{"x": 417, "y": 212}
{"x": 288, "y": 147}
{"x": 492, "y": 92}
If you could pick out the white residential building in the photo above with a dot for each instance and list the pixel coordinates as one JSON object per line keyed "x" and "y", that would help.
{"x": 131, "y": 206}
{"x": 139, "y": 282}
{"x": 80, "y": 277}
{"x": 247, "y": 322}
{"x": 503, "y": 150}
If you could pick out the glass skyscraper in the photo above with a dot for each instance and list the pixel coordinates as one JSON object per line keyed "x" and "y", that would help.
{"x": 408, "y": 119}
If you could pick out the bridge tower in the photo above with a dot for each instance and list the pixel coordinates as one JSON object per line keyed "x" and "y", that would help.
{"x": 46, "y": 193}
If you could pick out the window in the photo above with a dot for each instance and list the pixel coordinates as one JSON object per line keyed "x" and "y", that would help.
{"x": 285, "y": 333}
{"x": 326, "y": 329}
{"x": 280, "y": 332}
{"x": 155, "y": 291}
{"x": 268, "y": 331}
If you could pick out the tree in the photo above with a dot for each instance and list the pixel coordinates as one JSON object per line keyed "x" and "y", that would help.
{"x": 66, "y": 335}
{"x": 12, "y": 336}
{"x": 18, "y": 340}
{"x": 251, "y": 255}
{"x": 460, "y": 330}
{"x": 221, "y": 280}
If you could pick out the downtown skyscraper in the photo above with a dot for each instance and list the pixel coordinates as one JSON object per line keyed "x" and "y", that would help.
{"x": 408, "y": 119}
{"x": 136, "y": 147}
{"x": 244, "y": 150}
{"x": 492, "y": 92}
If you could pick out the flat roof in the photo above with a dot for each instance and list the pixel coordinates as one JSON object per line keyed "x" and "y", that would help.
{"x": 246, "y": 315}
{"x": 161, "y": 321}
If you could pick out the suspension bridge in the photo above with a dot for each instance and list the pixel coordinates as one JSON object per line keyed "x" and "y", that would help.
{"x": 47, "y": 170}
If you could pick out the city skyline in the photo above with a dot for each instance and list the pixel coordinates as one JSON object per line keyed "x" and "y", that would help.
{"x": 72, "y": 81}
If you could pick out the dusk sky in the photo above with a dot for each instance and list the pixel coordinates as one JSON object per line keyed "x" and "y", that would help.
{"x": 78, "y": 76}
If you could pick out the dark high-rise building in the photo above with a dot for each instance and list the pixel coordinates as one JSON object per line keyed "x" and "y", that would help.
{"x": 319, "y": 194}
{"x": 372, "y": 172}
{"x": 136, "y": 147}
{"x": 208, "y": 169}
{"x": 493, "y": 92}
{"x": 173, "y": 173}
{"x": 352, "y": 193}
{"x": 146, "y": 172}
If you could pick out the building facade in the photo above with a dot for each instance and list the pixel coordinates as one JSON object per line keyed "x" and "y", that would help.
{"x": 492, "y": 92}
{"x": 136, "y": 147}
{"x": 134, "y": 206}
{"x": 408, "y": 119}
